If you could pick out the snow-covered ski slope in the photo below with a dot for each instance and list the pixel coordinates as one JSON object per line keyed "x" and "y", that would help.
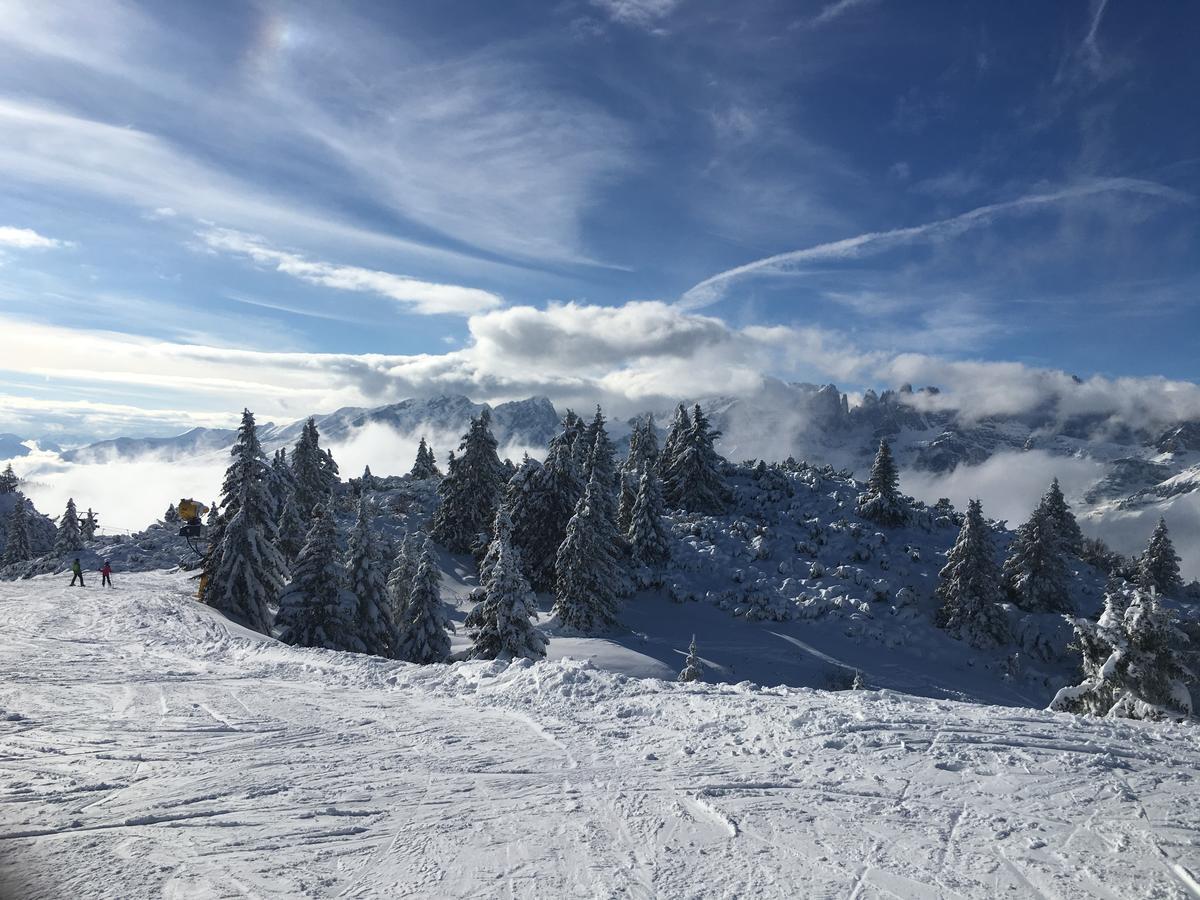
{"x": 150, "y": 749}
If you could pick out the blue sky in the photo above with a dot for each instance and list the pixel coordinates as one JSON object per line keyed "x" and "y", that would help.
{"x": 298, "y": 206}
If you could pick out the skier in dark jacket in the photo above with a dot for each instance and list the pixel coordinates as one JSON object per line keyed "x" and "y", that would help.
{"x": 106, "y": 574}
{"x": 76, "y": 572}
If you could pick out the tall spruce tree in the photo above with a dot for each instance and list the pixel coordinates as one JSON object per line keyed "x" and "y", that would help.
{"x": 403, "y": 572}
{"x": 680, "y": 426}
{"x": 283, "y": 482}
{"x": 694, "y": 481}
{"x": 423, "y": 637}
{"x": 969, "y": 586}
{"x": 244, "y": 570}
{"x": 881, "y": 502}
{"x": 17, "y": 547}
{"x": 88, "y": 525}
{"x": 376, "y": 630}
{"x": 643, "y": 454}
{"x": 68, "y": 538}
{"x": 1035, "y": 570}
{"x": 426, "y": 463}
{"x": 313, "y": 610}
{"x": 502, "y": 623}
{"x": 648, "y": 541}
{"x": 585, "y": 590}
{"x": 541, "y": 504}
{"x": 290, "y": 533}
{"x": 693, "y": 669}
{"x": 1056, "y": 507}
{"x": 309, "y": 469}
{"x": 470, "y": 492}
{"x": 9, "y": 482}
{"x": 1133, "y": 664}
{"x": 1158, "y": 567}
{"x": 601, "y": 462}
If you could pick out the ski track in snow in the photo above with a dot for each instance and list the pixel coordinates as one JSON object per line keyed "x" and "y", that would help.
{"x": 150, "y": 749}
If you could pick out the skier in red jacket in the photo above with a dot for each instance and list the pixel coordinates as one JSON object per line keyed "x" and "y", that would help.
{"x": 106, "y": 573}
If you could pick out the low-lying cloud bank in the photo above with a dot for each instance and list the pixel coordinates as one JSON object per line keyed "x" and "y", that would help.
{"x": 1009, "y": 484}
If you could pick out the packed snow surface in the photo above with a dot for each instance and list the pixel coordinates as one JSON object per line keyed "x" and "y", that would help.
{"x": 150, "y": 749}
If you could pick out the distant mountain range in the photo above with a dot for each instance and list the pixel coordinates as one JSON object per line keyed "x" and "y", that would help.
{"x": 1138, "y": 472}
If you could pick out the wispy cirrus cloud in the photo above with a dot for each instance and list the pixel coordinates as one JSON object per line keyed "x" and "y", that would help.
{"x": 639, "y": 13}
{"x": 836, "y": 10}
{"x": 424, "y": 297}
{"x": 27, "y": 239}
{"x": 714, "y": 288}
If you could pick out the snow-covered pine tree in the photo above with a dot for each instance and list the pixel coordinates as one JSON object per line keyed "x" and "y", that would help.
{"x": 283, "y": 482}
{"x": 17, "y": 547}
{"x": 648, "y": 541}
{"x": 312, "y": 611}
{"x": 1035, "y": 571}
{"x": 329, "y": 471}
{"x": 368, "y": 482}
{"x": 1132, "y": 663}
{"x": 881, "y": 502}
{"x": 213, "y": 519}
{"x": 574, "y": 432}
{"x": 402, "y": 574}
{"x": 680, "y": 426}
{"x": 171, "y": 516}
{"x": 601, "y": 461}
{"x": 290, "y": 532}
{"x": 470, "y": 492}
{"x": 1055, "y": 505}
{"x": 693, "y": 669}
{"x": 423, "y": 637}
{"x": 1158, "y": 567}
{"x": 968, "y": 587}
{"x": 587, "y": 577}
{"x": 88, "y": 525}
{"x": 244, "y": 570}
{"x": 643, "y": 453}
{"x": 376, "y": 631}
{"x": 9, "y": 482}
{"x": 694, "y": 481}
{"x": 541, "y": 511}
{"x": 309, "y": 467}
{"x": 502, "y": 623}
{"x": 426, "y": 463}
{"x": 68, "y": 539}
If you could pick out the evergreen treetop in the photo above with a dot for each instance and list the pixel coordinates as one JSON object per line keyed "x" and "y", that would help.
{"x": 470, "y": 492}
{"x": 503, "y": 622}
{"x": 69, "y": 537}
{"x": 423, "y": 637}
{"x": 882, "y": 502}
{"x": 9, "y": 482}
{"x": 1132, "y": 659}
{"x": 375, "y": 630}
{"x": 311, "y": 611}
{"x": 244, "y": 569}
{"x": 17, "y": 546}
{"x": 1158, "y": 567}
{"x": 969, "y": 586}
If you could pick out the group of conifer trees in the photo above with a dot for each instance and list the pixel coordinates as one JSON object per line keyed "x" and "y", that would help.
{"x": 1130, "y": 656}
{"x": 72, "y": 532}
{"x": 576, "y": 525}
{"x": 276, "y": 541}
